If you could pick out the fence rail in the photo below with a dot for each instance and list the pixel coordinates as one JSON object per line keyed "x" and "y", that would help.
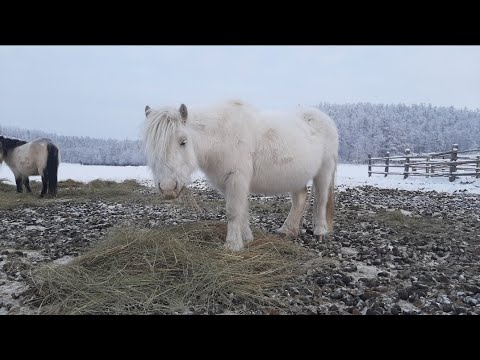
{"x": 445, "y": 164}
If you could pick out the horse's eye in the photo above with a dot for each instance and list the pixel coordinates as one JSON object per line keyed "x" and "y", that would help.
{"x": 183, "y": 142}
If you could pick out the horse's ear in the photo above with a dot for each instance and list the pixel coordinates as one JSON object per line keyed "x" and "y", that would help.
{"x": 183, "y": 112}
{"x": 147, "y": 110}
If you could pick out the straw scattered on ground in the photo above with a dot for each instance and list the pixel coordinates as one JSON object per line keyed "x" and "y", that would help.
{"x": 165, "y": 271}
{"x": 75, "y": 191}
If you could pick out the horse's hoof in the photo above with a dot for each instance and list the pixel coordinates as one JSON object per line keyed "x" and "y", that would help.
{"x": 285, "y": 233}
{"x": 280, "y": 232}
{"x": 248, "y": 241}
{"x": 319, "y": 238}
{"x": 233, "y": 247}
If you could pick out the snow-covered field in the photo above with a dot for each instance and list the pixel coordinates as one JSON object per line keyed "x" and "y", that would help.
{"x": 347, "y": 176}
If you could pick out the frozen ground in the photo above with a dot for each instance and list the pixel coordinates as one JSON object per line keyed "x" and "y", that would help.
{"x": 347, "y": 176}
{"x": 420, "y": 259}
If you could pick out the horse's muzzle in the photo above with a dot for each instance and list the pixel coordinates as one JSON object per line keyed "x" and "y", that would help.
{"x": 171, "y": 194}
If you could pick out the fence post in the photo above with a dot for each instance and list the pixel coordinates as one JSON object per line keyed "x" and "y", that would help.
{"x": 369, "y": 165}
{"x": 427, "y": 166}
{"x": 387, "y": 161}
{"x": 453, "y": 158}
{"x": 407, "y": 161}
{"x": 477, "y": 170}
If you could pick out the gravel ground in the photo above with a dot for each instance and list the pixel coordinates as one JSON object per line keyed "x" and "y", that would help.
{"x": 392, "y": 251}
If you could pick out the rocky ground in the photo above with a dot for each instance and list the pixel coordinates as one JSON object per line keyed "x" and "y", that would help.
{"x": 392, "y": 252}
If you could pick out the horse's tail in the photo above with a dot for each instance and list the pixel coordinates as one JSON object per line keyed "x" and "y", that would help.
{"x": 331, "y": 200}
{"x": 53, "y": 161}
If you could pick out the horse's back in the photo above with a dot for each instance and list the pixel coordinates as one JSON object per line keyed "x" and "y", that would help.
{"x": 318, "y": 120}
{"x": 42, "y": 141}
{"x": 302, "y": 125}
{"x": 42, "y": 146}
{"x": 291, "y": 148}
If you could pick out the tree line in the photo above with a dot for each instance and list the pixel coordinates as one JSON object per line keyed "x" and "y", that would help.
{"x": 363, "y": 128}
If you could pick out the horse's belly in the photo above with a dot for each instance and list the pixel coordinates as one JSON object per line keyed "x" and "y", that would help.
{"x": 280, "y": 180}
{"x": 28, "y": 168}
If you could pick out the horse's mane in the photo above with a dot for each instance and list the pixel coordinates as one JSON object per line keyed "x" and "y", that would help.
{"x": 10, "y": 143}
{"x": 159, "y": 127}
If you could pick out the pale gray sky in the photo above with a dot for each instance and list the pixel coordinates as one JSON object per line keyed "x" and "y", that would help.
{"x": 101, "y": 91}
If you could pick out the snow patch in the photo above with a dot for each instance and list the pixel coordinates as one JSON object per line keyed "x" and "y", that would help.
{"x": 348, "y": 176}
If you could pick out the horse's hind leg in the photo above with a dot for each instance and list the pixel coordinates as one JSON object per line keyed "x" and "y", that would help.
{"x": 44, "y": 186}
{"x": 18, "y": 181}
{"x": 291, "y": 226}
{"x": 26, "y": 183}
{"x": 322, "y": 184}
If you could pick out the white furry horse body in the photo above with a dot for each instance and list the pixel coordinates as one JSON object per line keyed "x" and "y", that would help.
{"x": 38, "y": 157}
{"x": 20, "y": 161}
{"x": 241, "y": 151}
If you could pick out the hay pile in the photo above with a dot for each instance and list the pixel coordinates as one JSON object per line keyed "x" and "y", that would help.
{"x": 163, "y": 271}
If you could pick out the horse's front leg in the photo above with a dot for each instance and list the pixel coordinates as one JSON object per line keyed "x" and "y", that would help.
{"x": 236, "y": 197}
{"x": 247, "y": 235}
{"x": 18, "y": 181}
{"x": 26, "y": 183}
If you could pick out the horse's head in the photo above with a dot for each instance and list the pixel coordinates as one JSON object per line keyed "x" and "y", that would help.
{"x": 169, "y": 149}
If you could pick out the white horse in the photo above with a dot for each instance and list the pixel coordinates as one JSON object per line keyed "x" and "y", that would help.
{"x": 242, "y": 150}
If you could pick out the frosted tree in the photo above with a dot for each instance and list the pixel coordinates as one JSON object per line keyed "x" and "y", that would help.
{"x": 363, "y": 128}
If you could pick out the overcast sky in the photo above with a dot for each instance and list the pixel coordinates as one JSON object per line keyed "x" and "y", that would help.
{"x": 101, "y": 91}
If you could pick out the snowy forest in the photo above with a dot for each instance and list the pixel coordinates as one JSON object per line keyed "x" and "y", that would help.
{"x": 363, "y": 128}
{"x": 370, "y": 128}
{"x": 86, "y": 150}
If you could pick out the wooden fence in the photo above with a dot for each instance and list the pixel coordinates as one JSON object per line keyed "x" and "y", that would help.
{"x": 452, "y": 164}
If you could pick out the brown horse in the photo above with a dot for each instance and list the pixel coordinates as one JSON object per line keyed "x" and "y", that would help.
{"x": 38, "y": 157}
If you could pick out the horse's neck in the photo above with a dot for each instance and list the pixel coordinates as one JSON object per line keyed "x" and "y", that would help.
{"x": 205, "y": 130}
{"x": 208, "y": 132}
{"x": 201, "y": 138}
{"x": 9, "y": 159}
{"x": 13, "y": 154}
